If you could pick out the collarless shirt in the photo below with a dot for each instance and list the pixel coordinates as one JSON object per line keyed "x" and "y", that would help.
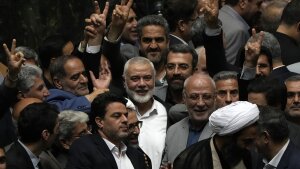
{"x": 121, "y": 158}
{"x": 34, "y": 159}
{"x": 153, "y": 132}
{"x": 276, "y": 159}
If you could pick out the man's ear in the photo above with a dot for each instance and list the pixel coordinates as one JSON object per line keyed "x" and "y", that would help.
{"x": 298, "y": 26}
{"x": 181, "y": 25}
{"x": 45, "y": 135}
{"x": 266, "y": 137}
{"x": 57, "y": 83}
{"x": 99, "y": 122}
{"x": 243, "y": 4}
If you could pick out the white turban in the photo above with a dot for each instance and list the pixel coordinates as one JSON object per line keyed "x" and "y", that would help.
{"x": 234, "y": 117}
{"x": 130, "y": 105}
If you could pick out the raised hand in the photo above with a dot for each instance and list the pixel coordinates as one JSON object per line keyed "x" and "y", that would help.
{"x": 104, "y": 77}
{"x": 14, "y": 60}
{"x": 96, "y": 25}
{"x": 252, "y": 48}
{"x": 119, "y": 18}
{"x": 210, "y": 8}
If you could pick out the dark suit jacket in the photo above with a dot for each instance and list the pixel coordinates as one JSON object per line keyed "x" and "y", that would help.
{"x": 289, "y": 159}
{"x": 17, "y": 158}
{"x": 91, "y": 152}
{"x": 281, "y": 74}
{"x": 290, "y": 49}
{"x": 174, "y": 40}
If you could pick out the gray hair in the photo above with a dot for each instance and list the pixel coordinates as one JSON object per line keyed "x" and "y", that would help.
{"x": 138, "y": 60}
{"x": 28, "y": 53}
{"x": 225, "y": 75}
{"x": 270, "y": 20}
{"x": 68, "y": 120}
{"x": 294, "y": 78}
{"x": 153, "y": 20}
{"x": 27, "y": 76}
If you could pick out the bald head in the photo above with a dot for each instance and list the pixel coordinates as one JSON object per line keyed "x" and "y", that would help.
{"x": 199, "y": 97}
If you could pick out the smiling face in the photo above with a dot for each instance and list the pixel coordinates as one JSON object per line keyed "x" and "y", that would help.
{"x": 153, "y": 42}
{"x": 113, "y": 125}
{"x": 130, "y": 31}
{"x": 263, "y": 67}
{"x": 199, "y": 97}
{"x": 139, "y": 82}
{"x": 75, "y": 80}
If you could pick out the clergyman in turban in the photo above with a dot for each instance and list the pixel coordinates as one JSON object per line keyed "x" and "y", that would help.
{"x": 235, "y": 131}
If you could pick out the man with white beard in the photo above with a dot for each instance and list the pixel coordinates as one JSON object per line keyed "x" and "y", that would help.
{"x": 139, "y": 76}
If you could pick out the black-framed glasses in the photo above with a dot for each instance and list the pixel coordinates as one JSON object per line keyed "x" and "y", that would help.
{"x": 2, "y": 159}
{"x": 132, "y": 126}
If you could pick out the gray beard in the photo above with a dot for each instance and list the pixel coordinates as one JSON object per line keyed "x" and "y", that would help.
{"x": 140, "y": 99}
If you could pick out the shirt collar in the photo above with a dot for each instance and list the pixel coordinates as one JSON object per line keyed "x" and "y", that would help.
{"x": 114, "y": 148}
{"x": 151, "y": 111}
{"x": 181, "y": 40}
{"x": 276, "y": 159}
{"x": 34, "y": 159}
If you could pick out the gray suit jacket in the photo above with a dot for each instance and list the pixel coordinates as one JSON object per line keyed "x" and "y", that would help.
{"x": 177, "y": 137}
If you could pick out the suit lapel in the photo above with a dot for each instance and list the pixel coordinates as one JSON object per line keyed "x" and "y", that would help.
{"x": 23, "y": 154}
{"x": 104, "y": 150}
{"x": 285, "y": 157}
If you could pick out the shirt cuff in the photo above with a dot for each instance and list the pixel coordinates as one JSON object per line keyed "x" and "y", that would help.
{"x": 115, "y": 41}
{"x": 93, "y": 49}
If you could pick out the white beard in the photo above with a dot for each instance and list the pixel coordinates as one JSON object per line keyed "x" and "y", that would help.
{"x": 137, "y": 98}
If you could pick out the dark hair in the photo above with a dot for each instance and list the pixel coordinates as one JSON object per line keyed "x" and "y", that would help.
{"x": 274, "y": 122}
{"x": 274, "y": 91}
{"x": 100, "y": 103}
{"x": 175, "y": 10}
{"x": 34, "y": 119}
{"x": 291, "y": 13}
{"x": 57, "y": 67}
{"x": 152, "y": 20}
{"x": 51, "y": 47}
{"x": 232, "y": 2}
{"x": 181, "y": 48}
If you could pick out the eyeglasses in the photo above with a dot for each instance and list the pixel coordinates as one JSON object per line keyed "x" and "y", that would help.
{"x": 204, "y": 96}
{"x": 2, "y": 159}
{"x": 132, "y": 126}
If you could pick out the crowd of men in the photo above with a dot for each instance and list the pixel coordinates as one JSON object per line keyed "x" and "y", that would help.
{"x": 206, "y": 84}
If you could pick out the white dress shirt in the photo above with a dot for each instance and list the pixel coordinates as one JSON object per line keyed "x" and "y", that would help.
{"x": 276, "y": 159}
{"x": 121, "y": 158}
{"x": 153, "y": 132}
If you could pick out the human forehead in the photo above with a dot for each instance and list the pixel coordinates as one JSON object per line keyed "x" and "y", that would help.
{"x": 115, "y": 107}
{"x": 153, "y": 31}
{"x": 73, "y": 66}
{"x": 263, "y": 59}
{"x": 203, "y": 85}
{"x": 139, "y": 69}
{"x": 132, "y": 118}
{"x": 131, "y": 14}
{"x": 227, "y": 83}
{"x": 179, "y": 57}
{"x": 293, "y": 85}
